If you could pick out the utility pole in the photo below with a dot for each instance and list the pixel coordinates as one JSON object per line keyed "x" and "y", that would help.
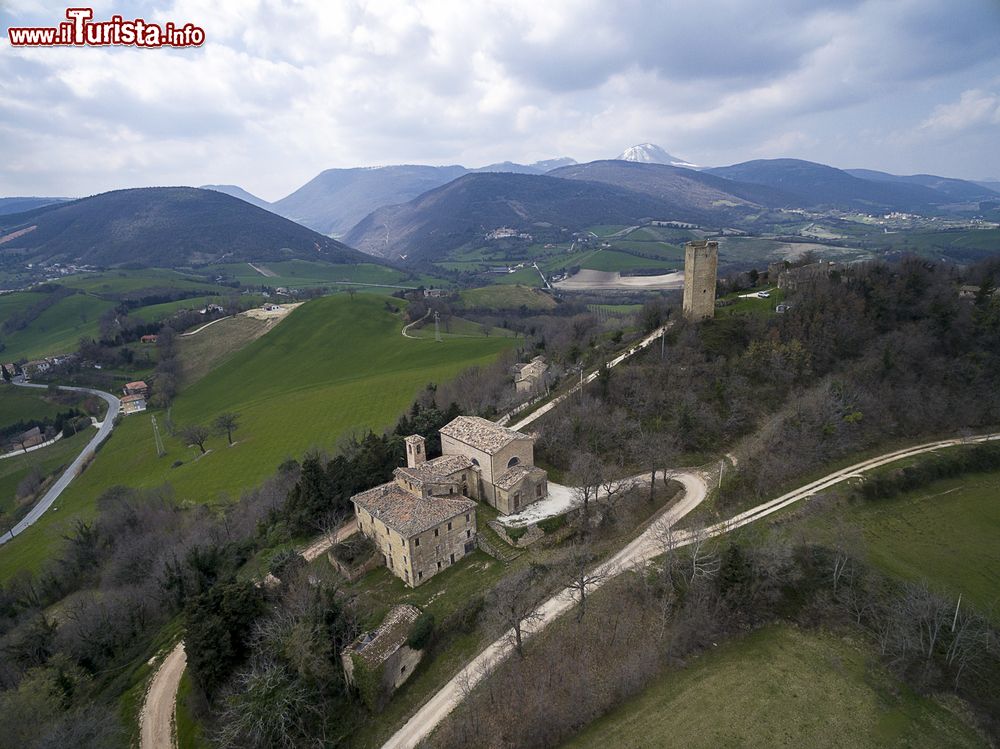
{"x": 722, "y": 468}
{"x": 437, "y": 327}
{"x": 663, "y": 337}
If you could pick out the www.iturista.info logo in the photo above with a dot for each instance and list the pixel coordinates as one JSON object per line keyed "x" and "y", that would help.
{"x": 80, "y": 30}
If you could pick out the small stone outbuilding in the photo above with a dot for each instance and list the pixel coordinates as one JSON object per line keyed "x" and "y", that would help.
{"x": 377, "y": 663}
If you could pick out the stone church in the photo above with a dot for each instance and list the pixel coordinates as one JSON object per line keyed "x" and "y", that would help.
{"x": 424, "y": 520}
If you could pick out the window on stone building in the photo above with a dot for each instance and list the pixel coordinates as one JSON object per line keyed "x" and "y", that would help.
{"x": 449, "y": 525}
{"x": 475, "y": 462}
{"x": 468, "y": 534}
{"x": 452, "y": 558}
{"x": 439, "y": 565}
{"x": 435, "y": 531}
{"x": 538, "y": 490}
{"x": 420, "y": 575}
{"x": 416, "y": 541}
{"x": 513, "y": 462}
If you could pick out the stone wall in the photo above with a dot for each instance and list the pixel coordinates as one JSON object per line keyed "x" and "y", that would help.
{"x": 429, "y": 554}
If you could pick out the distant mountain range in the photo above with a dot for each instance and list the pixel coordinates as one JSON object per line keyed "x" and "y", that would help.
{"x": 469, "y": 207}
{"x": 959, "y": 189}
{"x": 238, "y": 192}
{"x": 680, "y": 189}
{"x": 18, "y": 205}
{"x": 420, "y": 212}
{"x": 817, "y": 185}
{"x": 162, "y": 227}
{"x": 337, "y": 199}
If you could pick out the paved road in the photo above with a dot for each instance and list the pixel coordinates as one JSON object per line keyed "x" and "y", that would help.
{"x": 644, "y": 548}
{"x": 57, "y": 488}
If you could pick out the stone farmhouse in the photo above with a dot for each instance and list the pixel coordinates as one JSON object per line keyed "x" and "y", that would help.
{"x": 424, "y": 520}
{"x": 530, "y": 378}
{"x": 384, "y": 651}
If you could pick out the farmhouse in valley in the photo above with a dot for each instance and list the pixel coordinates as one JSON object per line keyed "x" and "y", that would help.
{"x": 424, "y": 520}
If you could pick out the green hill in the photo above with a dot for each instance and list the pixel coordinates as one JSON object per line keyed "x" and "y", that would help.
{"x": 163, "y": 227}
{"x": 56, "y": 330}
{"x": 335, "y": 366}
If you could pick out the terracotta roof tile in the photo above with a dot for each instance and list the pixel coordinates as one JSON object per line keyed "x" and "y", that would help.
{"x": 406, "y": 513}
{"x": 481, "y": 434}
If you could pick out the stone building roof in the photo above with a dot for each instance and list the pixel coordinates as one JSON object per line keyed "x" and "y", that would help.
{"x": 436, "y": 470}
{"x": 408, "y": 514}
{"x": 510, "y": 478}
{"x": 481, "y": 434}
{"x": 375, "y": 647}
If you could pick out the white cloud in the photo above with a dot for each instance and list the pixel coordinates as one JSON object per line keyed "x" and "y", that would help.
{"x": 282, "y": 90}
{"x": 973, "y": 109}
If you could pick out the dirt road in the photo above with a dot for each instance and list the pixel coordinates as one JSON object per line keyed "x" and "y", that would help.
{"x": 156, "y": 721}
{"x": 441, "y": 704}
{"x": 644, "y": 548}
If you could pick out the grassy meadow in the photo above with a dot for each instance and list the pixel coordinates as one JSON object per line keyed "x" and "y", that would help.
{"x": 334, "y": 366}
{"x": 779, "y": 686}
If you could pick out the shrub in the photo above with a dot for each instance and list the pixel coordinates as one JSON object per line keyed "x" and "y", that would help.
{"x": 421, "y": 631}
{"x": 177, "y": 464}
{"x": 515, "y": 533}
{"x": 551, "y": 525}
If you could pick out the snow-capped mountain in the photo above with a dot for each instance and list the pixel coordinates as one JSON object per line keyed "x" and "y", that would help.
{"x": 650, "y": 153}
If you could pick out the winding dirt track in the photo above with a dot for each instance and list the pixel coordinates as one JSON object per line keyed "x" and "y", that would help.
{"x": 156, "y": 721}
{"x": 644, "y": 548}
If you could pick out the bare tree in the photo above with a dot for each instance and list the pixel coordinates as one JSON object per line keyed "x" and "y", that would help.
{"x": 515, "y": 604}
{"x": 195, "y": 434}
{"x": 583, "y": 574}
{"x": 846, "y": 546}
{"x": 226, "y": 423}
{"x": 587, "y": 475}
{"x": 703, "y": 561}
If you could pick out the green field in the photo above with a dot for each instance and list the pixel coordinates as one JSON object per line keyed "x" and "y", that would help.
{"x": 778, "y": 687}
{"x": 610, "y": 260}
{"x": 48, "y": 460}
{"x": 21, "y": 404}
{"x": 298, "y": 273}
{"x": 507, "y": 297}
{"x": 56, "y": 330}
{"x": 458, "y": 327}
{"x": 945, "y": 534}
{"x": 336, "y": 365}
{"x": 117, "y": 282}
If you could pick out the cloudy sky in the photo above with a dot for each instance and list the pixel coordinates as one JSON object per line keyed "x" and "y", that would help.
{"x": 282, "y": 90}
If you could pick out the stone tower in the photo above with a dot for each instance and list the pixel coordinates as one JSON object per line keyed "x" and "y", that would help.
{"x": 415, "y": 451}
{"x": 701, "y": 260}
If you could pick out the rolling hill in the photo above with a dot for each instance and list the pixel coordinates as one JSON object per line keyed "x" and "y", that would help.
{"x": 469, "y": 207}
{"x": 684, "y": 189}
{"x": 352, "y": 372}
{"x": 957, "y": 189}
{"x": 20, "y": 205}
{"x": 815, "y": 185}
{"x": 337, "y": 199}
{"x": 238, "y": 192}
{"x": 162, "y": 227}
